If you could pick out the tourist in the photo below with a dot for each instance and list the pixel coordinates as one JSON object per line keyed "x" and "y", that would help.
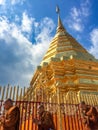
{"x": 89, "y": 116}
{"x": 10, "y": 121}
{"x": 45, "y": 121}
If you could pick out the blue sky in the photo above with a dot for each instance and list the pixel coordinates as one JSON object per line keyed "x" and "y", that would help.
{"x": 28, "y": 26}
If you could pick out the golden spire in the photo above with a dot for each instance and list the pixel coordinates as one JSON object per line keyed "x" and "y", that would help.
{"x": 60, "y": 26}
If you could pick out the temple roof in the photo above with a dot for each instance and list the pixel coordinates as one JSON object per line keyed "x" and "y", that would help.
{"x": 64, "y": 46}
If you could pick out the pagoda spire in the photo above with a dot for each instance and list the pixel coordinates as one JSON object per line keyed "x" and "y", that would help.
{"x": 60, "y": 26}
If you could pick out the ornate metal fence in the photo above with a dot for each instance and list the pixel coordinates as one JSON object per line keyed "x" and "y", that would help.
{"x": 70, "y": 115}
{"x": 66, "y": 116}
{"x": 15, "y": 93}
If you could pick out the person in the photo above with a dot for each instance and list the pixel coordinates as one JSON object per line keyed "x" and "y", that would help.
{"x": 45, "y": 121}
{"x": 10, "y": 121}
{"x": 89, "y": 116}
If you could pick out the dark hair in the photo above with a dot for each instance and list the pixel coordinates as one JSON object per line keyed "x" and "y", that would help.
{"x": 41, "y": 106}
{"x": 9, "y": 100}
{"x": 82, "y": 102}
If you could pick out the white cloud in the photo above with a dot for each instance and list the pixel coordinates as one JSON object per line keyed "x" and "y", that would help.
{"x": 26, "y": 23}
{"x": 94, "y": 41}
{"x": 17, "y": 19}
{"x": 77, "y": 27}
{"x": 85, "y": 8}
{"x": 2, "y": 2}
{"x": 18, "y": 56}
{"x": 13, "y": 2}
{"x": 78, "y": 15}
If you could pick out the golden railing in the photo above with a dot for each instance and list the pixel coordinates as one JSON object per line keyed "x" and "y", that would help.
{"x": 66, "y": 112}
{"x": 15, "y": 93}
{"x": 71, "y": 119}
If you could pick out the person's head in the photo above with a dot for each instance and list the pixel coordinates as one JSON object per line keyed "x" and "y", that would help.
{"x": 40, "y": 109}
{"x": 82, "y": 105}
{"x": 8, "y": 104}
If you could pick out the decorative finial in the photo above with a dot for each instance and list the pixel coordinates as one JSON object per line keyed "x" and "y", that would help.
{"x": 60, "y": 25}
{"x": 57, "y": 9}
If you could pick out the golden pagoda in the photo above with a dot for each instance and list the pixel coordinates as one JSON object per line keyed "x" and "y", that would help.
{"x": 68, "y": 73}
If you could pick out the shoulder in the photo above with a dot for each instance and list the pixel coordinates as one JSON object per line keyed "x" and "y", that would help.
{"x": 13, "y": 109}
{"x": 92, "y": 110}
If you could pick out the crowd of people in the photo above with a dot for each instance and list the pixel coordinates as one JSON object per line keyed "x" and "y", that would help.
{"x": 10, "y": 120}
